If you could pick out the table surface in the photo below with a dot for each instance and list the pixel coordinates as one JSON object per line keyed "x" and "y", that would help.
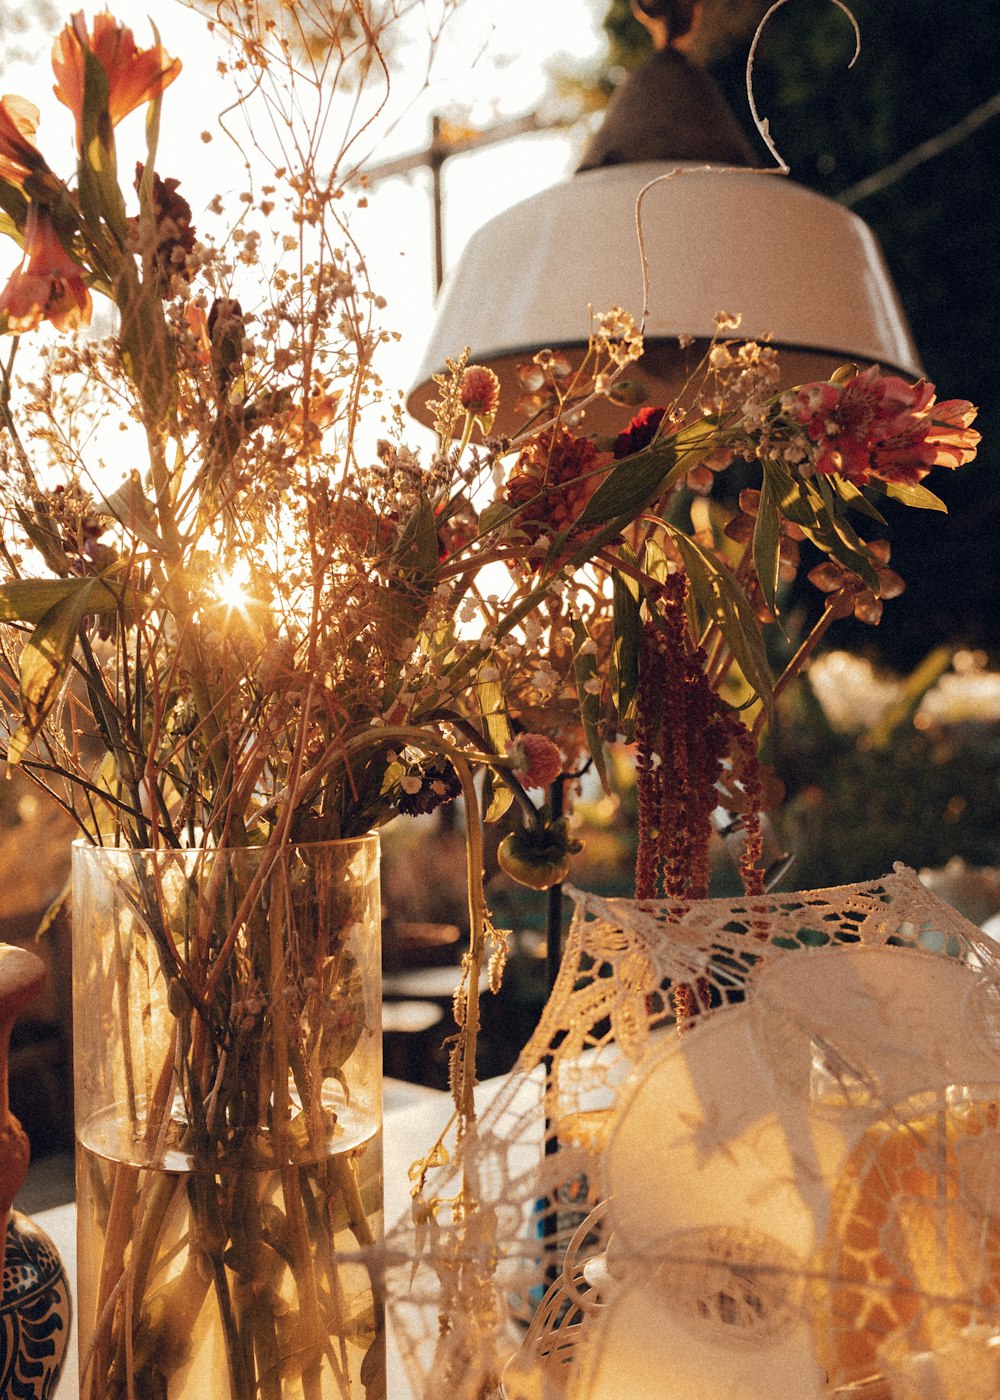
{"x": 409, "y": 1127}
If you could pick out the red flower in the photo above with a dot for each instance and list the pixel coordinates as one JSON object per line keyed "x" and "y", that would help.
{"x": 19, "y": 157}
{"x": 878, "y": 426}
{"x": 552, "y": 480}
{"x": 134, "y": 75}
{"x": 49, "y": 285}
{"x": 639, "y": 433}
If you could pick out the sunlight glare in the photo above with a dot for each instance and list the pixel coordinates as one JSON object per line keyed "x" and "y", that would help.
{"x": 231, "y": 587}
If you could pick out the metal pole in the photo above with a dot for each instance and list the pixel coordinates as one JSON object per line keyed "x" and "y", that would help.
{"x": 436, "y": 159}
{"x": 553, "y": 910}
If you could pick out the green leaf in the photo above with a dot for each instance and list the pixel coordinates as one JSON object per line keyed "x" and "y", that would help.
{"x": 854, "y": 497}
{"x": 45, "y": 663}
{"x": 721, "y": 598}
{"x": 495, "y": 515}
{"x": 917, "y": 496}
{"x": 132, "y": 508}
{"x": 416, "y": 549}
{"x": 585, "y": 669}
{"x": 400, "y": 608}
{"x": 496, "y": 724}
{"x": 402, "y": 605}
{"x": 631, "y": 484}
{"x": 654, "y": 561}
{"x": 812, "y": 506}
{"x": 767, "y": 545}
{"x": 788, "y": 493}
{"x": 30, "y": 600}
{"x": 624, "y": 675}
{"x": 153, "y": 109}
{"x": 100, "y": 198}
{"x": 145, "y": 344}
{"x": 907, "y": 702}
{"x": 839, "y": 538}
{"x": 15, "y": 211}
{"x": 497, "y": 797}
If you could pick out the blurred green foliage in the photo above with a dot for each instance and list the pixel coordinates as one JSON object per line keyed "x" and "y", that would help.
{"x": 854, "y": 807}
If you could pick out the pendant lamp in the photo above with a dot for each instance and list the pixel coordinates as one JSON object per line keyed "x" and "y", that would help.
{"x": 797, "y": 267}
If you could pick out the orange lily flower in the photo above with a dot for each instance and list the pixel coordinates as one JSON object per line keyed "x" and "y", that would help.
{"x": 19, "y": 157}
{"x": 134, "y": 75}
{"x": 49, "y": 285}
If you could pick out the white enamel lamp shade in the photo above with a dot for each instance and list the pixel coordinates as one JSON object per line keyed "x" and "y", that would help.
{"x": 795, "y": 265}
{"x": 732, "y": 1175}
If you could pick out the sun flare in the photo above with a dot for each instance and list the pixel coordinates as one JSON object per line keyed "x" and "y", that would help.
{"x": 231, "y": 587}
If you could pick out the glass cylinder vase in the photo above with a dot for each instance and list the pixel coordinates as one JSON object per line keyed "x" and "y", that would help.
{"x": 227, "y": 1071}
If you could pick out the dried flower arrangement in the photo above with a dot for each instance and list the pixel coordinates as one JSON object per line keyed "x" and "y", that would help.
{"x": 262, "y": 637}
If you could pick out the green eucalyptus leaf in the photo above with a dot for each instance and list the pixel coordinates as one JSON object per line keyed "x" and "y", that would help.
{"x": 917, "y": 495}
{"x": 624, "y": 675}
{"x": 767, "y": 546}
{"x": 722, "y": 599}
{"x": 585, "y": 669}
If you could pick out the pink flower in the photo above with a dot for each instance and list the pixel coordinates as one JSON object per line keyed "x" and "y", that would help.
{"x": 813, "y": 408}
{"x": 480, "y": 391}
{"x": 48, "y": 285}
{"x": 879, "y": 427}
{"x": 19, "y": 157}
{"x": 941, "y": 437}
{"x": 537, "y": 761}
{"x": 134, "y": 75}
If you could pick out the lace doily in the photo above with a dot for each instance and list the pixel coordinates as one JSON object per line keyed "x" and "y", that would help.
{"x": 752, "y": 1149}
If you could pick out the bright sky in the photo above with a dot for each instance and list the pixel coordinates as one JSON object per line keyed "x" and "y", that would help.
{"x": 492, "y": 65}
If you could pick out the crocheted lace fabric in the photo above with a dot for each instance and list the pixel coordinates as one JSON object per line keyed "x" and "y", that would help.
{"x": 752, "y": 1149}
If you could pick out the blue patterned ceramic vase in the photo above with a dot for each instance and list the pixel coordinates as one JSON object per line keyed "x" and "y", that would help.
{"x": 34, "y": 1313}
